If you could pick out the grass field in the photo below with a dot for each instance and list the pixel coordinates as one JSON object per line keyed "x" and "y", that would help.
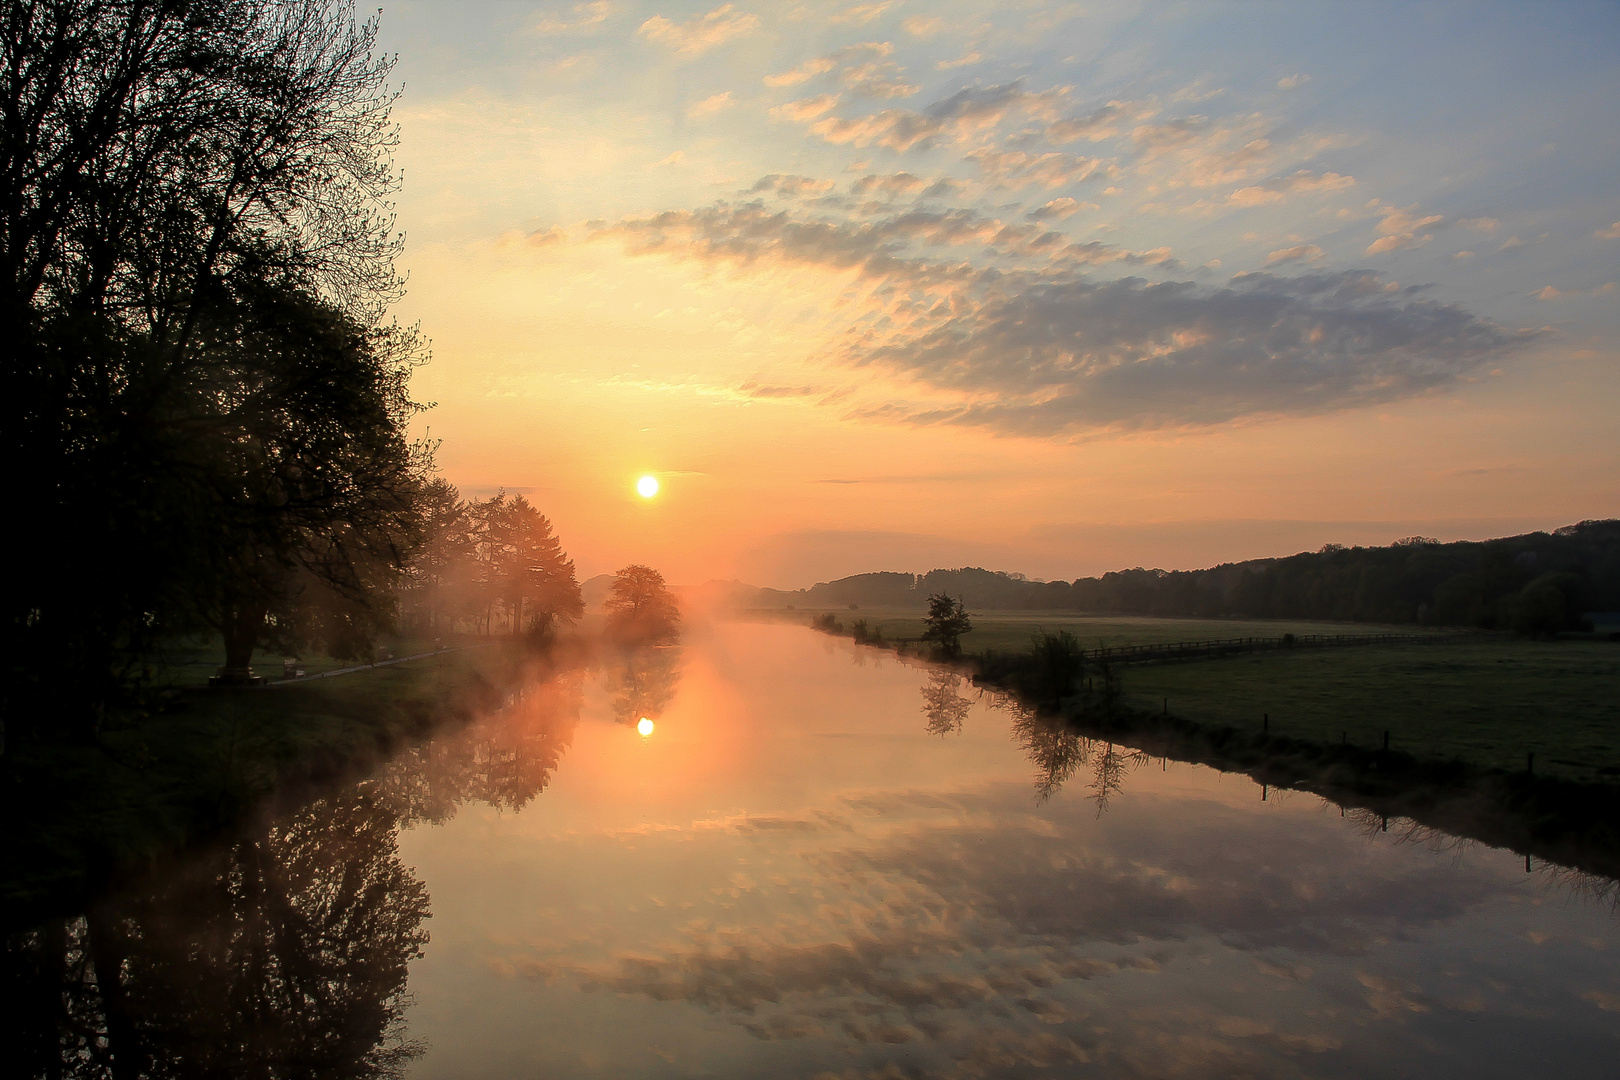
{"x": 1485, "y": 702}
{"x": 191, "y": 664}
{"x": 1010, "y": 631}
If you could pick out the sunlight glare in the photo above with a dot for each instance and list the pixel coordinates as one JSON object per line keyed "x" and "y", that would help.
{"x": 645, "y": 726}
{"x": 647, "y": 486}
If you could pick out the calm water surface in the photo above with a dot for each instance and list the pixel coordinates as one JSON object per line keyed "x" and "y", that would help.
{"x": 824, "y": 862}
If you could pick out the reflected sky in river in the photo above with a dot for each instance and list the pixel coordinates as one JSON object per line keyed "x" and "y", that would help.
{"x": 821, "y": 862}
{"x": 830, "y": 863}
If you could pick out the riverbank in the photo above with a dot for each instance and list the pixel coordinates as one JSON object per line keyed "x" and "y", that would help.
{"x": 1486, "y": 700}
{"x": 200, "y": 761}
{"x": 1463, "y": 715}
{"x": 1549, "y": 818}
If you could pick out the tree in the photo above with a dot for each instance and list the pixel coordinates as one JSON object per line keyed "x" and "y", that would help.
{"x": 945, "y": 624}
{"x": 170, "y": 172}
{"x": 641, "y": 608}
{"x": 521, "y": 567}
{"x": 304, "y": 478}
{"x": 1057, "y": 660}
{"x": 438, "y": 581}
{"x": 534, "y": 569}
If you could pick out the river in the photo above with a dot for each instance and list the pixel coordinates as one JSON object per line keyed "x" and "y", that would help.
{"x": 817, "y": 860}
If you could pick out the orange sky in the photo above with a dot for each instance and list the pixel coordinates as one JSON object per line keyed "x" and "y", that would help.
{"x": 1097, "y": 298}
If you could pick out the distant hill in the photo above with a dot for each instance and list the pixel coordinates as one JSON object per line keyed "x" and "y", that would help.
{"x": 1537, "y": 582}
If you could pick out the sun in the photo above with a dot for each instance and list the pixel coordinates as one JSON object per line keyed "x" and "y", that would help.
{"x": 645, "y": 726}
{"x": 647, "y": 486}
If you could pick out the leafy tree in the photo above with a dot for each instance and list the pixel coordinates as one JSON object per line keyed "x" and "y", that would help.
{"x": 174, "y": 174}
{"x": 302, "y": 472}
{"x": 641, "y": 608}
{"x": 945, "y": 624}
{"x": 438, "y": 581}
{"x": 535, "y": 570}
{"x": 1057, "y": 662}
{"x": 521, "y": 568}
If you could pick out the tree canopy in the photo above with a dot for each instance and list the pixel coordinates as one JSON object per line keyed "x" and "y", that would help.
{"x": 196, "y": 251}
{"x": 641, "y": 608}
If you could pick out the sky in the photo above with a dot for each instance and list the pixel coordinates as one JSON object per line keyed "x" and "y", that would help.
{"x": 1047, "y": 288}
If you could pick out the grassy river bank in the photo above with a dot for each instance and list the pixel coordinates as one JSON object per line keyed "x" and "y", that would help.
{"x": 1463, "y": 715}
{"x": 199, "y": 761}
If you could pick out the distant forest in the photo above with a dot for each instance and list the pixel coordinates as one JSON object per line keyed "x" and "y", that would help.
{"x": 1536, "y": 583}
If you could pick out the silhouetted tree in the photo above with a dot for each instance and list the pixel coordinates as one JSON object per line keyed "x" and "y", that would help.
{"x": 534, "y": 570}
{"x": 640, "y": 607}
{"x": 521, "y": 568}
{"x": 1056, "y": 663}
{"x": 178, "y": 173}
{"x": 296, "y": 443}
{"x": 945, "y": 624}
{"x": 439, "y": 580}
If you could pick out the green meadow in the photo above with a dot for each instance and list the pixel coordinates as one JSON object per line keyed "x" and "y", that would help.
{"x": 1011, "y": 631}
{"x": 1484, "y": 700}
{"x": 1487, "y": 702}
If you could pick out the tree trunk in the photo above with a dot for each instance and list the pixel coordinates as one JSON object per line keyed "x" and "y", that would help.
{"x": 241, "y": 633}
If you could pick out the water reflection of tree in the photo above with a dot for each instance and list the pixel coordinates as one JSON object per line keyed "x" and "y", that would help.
{"x": 643, "y": 682}
{"x": 284, "y": 954}
{"x": 504, "y": 759}
{"x": 1058, "y": 752}
{"x": 942, "y": 704}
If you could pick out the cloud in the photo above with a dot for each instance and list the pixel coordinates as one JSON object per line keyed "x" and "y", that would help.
{"x": 1291, "y": 82}
{"x": 922, "y": 25}
{"x": 862, "y": 68}
{"x": 1057, "y": 355}
{"x": 1018, "y": 338}
{"x": 1017, "y": 168}
{"x": 790, "y": 187}
{"x": 542, "y": 237}
{"x": 965, "y": 60}
{"x": 1105, "y": 122}
{"x": 584, "y": 16}
{"x": 803, "y": 73}
{"x": 702, "y": 33}
{"x": 806, "y": 109}
{"x": 964, "y": 113}
{"x": 1611, "y": 233}
{"x": 1058, "y": 209}
{"x": 1301, "y": 182}
{"x": 900, "y": 183}
{"x": 1608, "y": 288}
{"x": 1297, "y": 253}
{"x": 710, "y": 105}
{"x": 861, "y": 14}
{"x": 1399, "y": 229}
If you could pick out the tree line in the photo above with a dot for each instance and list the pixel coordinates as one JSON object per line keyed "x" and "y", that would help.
{"x": 203, "y": 395}
{"x": 1535, "y": 583}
